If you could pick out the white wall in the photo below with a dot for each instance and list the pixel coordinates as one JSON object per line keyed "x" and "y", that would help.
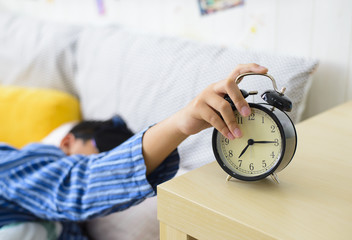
{"x": 309, "y": 28}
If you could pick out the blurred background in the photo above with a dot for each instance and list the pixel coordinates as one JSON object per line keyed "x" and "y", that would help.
{"x": 314, "y": 29}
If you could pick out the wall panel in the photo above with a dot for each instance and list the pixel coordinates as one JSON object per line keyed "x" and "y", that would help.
{"x": 331, "y": 42}
{"x": 308, "y": 28}
{"x": 294, "y": 27}
{"x": 260, "y": 20}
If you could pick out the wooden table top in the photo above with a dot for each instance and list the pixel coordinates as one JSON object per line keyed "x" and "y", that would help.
{"x": 312, "y": 201}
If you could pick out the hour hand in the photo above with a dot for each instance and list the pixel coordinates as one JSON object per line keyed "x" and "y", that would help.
{"x": 250, "y": 142}
{"x": 243, "y": 151}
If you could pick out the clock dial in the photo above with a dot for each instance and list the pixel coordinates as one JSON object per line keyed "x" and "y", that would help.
{"x": 259, "y": 149}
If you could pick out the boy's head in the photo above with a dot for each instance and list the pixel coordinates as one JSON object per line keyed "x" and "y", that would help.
{"x": 89, "y": 137}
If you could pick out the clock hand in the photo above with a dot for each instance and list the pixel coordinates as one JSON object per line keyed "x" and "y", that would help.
{"x": 243, "y": 151}
{"x": 250, "y": 142}
{"x": 264, "y": 142}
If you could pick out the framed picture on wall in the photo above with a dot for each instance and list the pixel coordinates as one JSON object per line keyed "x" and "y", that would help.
{"x": 211, "y": 6}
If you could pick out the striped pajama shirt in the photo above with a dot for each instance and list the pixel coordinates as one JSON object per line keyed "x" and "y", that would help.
{"x": 39, "y": 182}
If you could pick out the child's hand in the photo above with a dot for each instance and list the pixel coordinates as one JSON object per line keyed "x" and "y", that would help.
{"x": 210, "y": 108}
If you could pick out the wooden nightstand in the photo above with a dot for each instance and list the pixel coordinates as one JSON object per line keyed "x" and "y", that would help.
{"x": 313, "y": 200}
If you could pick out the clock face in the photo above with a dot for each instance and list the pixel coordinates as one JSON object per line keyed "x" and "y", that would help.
{"x": 258, "y": 152}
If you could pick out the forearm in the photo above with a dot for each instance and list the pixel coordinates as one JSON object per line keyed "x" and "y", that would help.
{"x": 160, "y": 140}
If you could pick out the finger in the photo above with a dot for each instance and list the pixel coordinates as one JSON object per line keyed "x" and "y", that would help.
{"x": 233, "y": 89}
{"x": 236, "y": 96}
{"x": 240, "y": 69}
{"x": 230, "y": 87}
{"x": 245, "y": 68}
{"x": 222, "y": 106}
{"x": 210, "y": 116}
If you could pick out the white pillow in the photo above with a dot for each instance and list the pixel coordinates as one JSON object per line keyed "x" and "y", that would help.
{"x": 37, "y": 53}
{"x": 137, "y": 222}
{"x": 55, "y": 137}
{"x": 146, "y": 78}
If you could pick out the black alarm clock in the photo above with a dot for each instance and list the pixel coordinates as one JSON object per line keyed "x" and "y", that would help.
{"x": 268, "y": 141}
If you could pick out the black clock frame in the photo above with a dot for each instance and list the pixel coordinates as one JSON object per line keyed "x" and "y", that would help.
{"x": 288, "y": 136}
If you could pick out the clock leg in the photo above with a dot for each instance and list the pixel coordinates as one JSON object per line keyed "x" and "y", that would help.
{"x": 275, "y": 177}
{"x": 228, "y": 178}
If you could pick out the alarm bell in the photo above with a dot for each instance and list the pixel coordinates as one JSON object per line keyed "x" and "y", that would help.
{"x": 274, "y": 97}
{"x": 277, "y": 100}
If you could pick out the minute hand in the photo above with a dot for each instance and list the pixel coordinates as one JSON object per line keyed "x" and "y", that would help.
{"x": 264, "y": 142}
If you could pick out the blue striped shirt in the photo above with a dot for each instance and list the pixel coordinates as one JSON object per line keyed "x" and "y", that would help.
{"x": 40, "y": 182}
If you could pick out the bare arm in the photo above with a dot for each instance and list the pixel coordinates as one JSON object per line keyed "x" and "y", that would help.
{"x": 208, "y": 109}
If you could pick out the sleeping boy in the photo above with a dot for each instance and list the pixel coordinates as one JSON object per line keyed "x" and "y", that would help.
{"x": 102, "y": 167}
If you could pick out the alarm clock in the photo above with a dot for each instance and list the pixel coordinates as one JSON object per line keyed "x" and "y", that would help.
{"x": 269, "y": 137}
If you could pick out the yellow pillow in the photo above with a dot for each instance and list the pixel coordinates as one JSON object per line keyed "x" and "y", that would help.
{"x": 30, "y": 114}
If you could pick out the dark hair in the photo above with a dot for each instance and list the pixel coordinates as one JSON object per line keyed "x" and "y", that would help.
{"x": 106, "y": 134}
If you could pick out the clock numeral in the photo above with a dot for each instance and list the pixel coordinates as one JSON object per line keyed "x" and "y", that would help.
{"x": 251, "y": 166}
{"x": 272, "y": 154}
{"x": 230, "y": 153}
{"x": 251, "y": 117}
{"x": 240, "y": 163}
{"x": 276, "y": 142}
{"x": 264, "y": 164}
{"x": 263, "y": 119}
{"x": 239, "y": 120}
{"x": 227, "y": 141}
{"x": 273, "y": 128}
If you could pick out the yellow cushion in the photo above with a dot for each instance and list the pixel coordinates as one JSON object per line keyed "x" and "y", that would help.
{"x": 30, "y": 114}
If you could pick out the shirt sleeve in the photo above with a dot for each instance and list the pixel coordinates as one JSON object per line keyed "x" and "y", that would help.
{"x": 79, "y": 187}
